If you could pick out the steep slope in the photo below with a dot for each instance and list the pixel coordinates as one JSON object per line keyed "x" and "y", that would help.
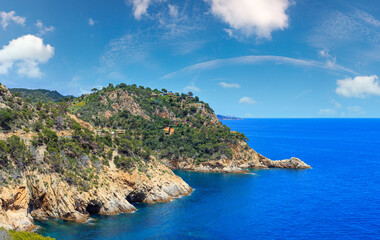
{"x": 179, "y": 129}
{"x": 55, "y": 167}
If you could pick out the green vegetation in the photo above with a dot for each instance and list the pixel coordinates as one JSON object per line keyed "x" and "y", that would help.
{"x": 195, "y": 136}
{"x": 37, "y": 95}
{"x": 155, "y": 123}
{"x": 5, "y": 118}
{"x": 14, "y": 235}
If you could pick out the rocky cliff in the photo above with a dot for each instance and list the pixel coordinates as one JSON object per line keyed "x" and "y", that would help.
{"x": 43, "y": 196}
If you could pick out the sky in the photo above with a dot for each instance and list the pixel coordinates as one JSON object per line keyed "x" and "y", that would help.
{"x": 247, "y": 58}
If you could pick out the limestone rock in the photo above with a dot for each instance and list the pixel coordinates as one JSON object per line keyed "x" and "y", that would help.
{"x": 287, "y": 163}
{"x": 43, "y": 196}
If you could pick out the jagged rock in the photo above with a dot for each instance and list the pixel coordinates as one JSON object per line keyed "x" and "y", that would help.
{"x": 43, "y": 196}
{"x": 14, "y": 209}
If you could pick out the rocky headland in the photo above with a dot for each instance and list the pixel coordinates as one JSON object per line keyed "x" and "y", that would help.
{"x": 98, "y": 153}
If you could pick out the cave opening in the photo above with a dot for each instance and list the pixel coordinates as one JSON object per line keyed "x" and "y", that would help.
{"x": 93, "y": 207}
{"x": 134, "y": 197}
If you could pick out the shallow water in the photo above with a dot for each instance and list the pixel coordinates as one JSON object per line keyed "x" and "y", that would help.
{"x": 338, "y": 199}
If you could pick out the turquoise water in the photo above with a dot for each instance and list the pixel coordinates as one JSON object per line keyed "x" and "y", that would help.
{"x": 338, "y": 199}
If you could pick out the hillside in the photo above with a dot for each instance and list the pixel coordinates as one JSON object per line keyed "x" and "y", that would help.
{"x": 53, "y": 166}
{"x": 98, "y": 153}
{"x": 179, "y": 129}
{"x": 38, "y": 95}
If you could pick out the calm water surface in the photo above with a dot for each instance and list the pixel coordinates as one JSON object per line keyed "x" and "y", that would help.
{"x": 338, "y": 199}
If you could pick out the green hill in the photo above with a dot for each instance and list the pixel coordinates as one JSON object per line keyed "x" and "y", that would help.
{"x": 38, "y": 95}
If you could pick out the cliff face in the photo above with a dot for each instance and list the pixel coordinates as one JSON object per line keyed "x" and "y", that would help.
{"x": 47, "y": 196}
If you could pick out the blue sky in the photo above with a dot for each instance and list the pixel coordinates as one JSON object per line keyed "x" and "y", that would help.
{"x": 249, "y": 58}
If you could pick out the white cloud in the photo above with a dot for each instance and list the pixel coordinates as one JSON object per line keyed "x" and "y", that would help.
{"x": 26, "y": 53}
{"x": 360, "y": 86}
{"x": 42, "y": 28}
{"x": 254, "y": 59}
{"x": 327, "y": 111}
{"x": 229, "y": 85}
{"x": 140, "y": 7}
{"x": 91, "y": 22}
{"x": 173, "y": 10}
{"x": 259, "y": 17}
{"x": 330, "y": 60}
{"x": 6, "y": 18}
{"x": 248, "y": 100}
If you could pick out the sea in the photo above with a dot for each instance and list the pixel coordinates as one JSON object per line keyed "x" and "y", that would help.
{"x": 339, "y": 198}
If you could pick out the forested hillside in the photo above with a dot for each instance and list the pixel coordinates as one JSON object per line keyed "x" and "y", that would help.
{"x": 168, "y": 125}
{"x": 37, "y": 95}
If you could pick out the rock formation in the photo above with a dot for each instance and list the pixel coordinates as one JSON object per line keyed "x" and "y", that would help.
{"x": 47, "y": 196}
{"x": 243, "y": 158}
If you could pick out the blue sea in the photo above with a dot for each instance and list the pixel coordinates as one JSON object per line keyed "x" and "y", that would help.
{"x": 338, "y": 199}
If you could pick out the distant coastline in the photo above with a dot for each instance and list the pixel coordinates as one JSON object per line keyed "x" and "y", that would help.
{"x": 221, "y": 117}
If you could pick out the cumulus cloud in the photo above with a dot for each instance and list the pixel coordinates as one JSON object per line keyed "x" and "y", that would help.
{"x": 6, "y": 18}
{"x": 361, "y": 86}
{"x": 248, "y": 100}
{"x": 25, "y": 53}
{"x": 42, "y": 28}
{"x": 259, "y": 17}
{"x": 229, "y": 85}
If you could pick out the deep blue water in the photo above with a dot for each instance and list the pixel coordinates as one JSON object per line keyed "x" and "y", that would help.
{"x": 338, "y": 199}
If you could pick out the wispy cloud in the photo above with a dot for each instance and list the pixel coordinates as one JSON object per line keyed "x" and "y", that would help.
{"x": 173, "y": 10}
{"x": 7, "y": 17}
{"x": 229, "y": 85}
{"x": 254, "y": 59}
{"x": 355, "y": 109}
{"x": 42, "y": 29}
{"x": 129, "y": 48}
{"x": 248, "y": 100}
{"x": 342, "y": 27}
{"x": 327, "y": 111}
{"x": 192, "y": 88}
